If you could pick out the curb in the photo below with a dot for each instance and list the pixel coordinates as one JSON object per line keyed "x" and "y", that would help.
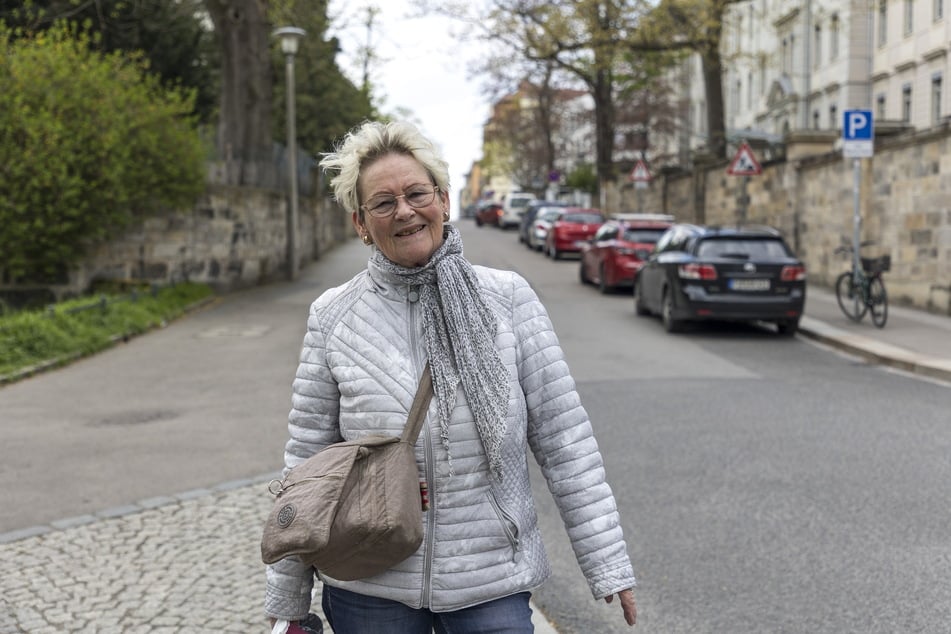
{"x": 876, "y": 351}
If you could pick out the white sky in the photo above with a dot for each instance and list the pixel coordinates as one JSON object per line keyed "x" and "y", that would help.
{"x": 421, "y": 68}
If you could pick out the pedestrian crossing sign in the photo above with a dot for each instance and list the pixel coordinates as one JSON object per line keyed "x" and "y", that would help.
{"x": 744, "y": 163}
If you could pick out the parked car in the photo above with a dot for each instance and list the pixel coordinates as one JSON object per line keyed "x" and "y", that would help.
{"x": 745, "y": 273}
{"x": 544, "y": 217}
{"x": 528, "y": 218}
{"x": 570, "y": 229}
{"x": 513, "y": 205}
{"x": 488, "y": 213}
{"x": 617, "y": 251}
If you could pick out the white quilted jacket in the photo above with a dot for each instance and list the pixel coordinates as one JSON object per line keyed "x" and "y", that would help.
{"x": 361, "y": 360}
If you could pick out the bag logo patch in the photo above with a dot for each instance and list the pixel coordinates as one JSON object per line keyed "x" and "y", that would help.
{"x": 286, "y": 515}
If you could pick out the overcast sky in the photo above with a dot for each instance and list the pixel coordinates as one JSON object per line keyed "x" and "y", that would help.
{"x": 420, "y": 68}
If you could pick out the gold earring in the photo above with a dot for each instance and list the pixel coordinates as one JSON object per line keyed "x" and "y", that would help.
{"x": 445, "y": 216}
{"x": 367, "y": 240}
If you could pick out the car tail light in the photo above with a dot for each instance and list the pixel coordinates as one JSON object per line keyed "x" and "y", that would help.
{"x": 795, "y": 273}
{"x": 697, "y": 271}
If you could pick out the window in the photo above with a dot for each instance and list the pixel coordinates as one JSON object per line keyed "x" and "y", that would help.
{"x": 936, "y": 98}
{"x": 882, "y": 22}
{"x": 880, "y": 107}
{"x": 815, "y": 119}
{"x": 906, "y": 103}
{"x": 938, "y": 10}
{"x": 909, "y": 16}
{"x": 834, "y": 37}
{"x": 785, "y": 56}
{"x": 749, "y": 91}
{"x": 817, "y": 48}
{"x": 833, "y": 117}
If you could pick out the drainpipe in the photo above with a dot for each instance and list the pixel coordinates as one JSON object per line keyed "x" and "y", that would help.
{"x": 807, "y": 74}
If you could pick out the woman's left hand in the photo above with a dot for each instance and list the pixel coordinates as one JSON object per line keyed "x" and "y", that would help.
{"x": 627, "y": 604}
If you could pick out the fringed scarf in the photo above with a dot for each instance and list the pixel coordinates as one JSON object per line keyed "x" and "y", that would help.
{"x": 460, "y": 334}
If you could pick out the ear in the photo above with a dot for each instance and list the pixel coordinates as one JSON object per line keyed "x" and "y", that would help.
{"x": 358, "y": 224}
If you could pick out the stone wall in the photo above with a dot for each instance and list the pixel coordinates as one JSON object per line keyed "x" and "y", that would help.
{"x": 233, "y": 237}
{"x": 905, "y": 204}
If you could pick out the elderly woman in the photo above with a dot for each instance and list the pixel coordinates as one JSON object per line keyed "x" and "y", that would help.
{"x": 501, "y": 386}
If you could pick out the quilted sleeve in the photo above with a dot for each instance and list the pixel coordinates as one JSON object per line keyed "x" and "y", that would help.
{"x": 563, "y": 443}
{"x": 313, "y": 424}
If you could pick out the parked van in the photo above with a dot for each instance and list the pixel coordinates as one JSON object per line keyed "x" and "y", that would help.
{"x": 513, "y": 206}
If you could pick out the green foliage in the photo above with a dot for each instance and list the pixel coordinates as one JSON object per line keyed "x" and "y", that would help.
{"x": 170, "y": 35}
{"x": 83, "y": 326}
{"x": 88, "y": 143}
{"x": 583, "y": 178}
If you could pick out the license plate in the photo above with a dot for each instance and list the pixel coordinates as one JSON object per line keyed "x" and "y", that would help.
{"x": 749, "y": 285}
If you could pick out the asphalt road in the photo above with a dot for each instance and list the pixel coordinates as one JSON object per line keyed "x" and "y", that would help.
{"x": 766, "y": 484}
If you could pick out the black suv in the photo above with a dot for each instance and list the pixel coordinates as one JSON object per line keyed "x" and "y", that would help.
{"x": 731, "y": 273}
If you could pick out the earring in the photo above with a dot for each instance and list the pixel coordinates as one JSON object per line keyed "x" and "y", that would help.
{"x": 445, "y": 216}
{"x": 367, "y": 240}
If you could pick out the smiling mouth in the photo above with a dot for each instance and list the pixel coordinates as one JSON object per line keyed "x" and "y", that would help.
{"x": 409, "y": 232}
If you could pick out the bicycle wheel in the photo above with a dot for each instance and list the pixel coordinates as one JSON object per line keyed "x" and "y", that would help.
{"x": 849, "y": 296}
{"x": 878, "y": 301}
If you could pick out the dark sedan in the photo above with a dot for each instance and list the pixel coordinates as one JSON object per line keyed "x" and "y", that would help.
{"x": 745, "y": 273}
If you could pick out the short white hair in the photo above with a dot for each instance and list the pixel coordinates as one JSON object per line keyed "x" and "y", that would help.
{"x": 371, "y": 141}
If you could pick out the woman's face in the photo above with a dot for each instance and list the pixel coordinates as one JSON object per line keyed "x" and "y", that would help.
{"x": 408, "y": 236}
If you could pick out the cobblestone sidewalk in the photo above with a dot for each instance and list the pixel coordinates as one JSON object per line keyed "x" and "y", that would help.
{"x": 191, "y": 563}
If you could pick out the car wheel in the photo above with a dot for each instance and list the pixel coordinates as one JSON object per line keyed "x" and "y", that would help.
{"x": 639, "y": 308}
{"x": 788, "y": 327}
{"x": 667, "y": 313}
{"x": 581, "y": 276}
{"x": 478, "y": 222}
{"x": 554, "y": 253}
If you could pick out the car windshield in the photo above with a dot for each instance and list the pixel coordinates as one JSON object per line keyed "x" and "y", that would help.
{"x": 742, "y": 248}
{"x": 643, "y": 235}
{"x": 549, "y": 214}
{"x": 584, "y": 218}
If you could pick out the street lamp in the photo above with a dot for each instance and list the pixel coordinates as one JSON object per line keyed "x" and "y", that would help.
{"x": 290, "y": 38}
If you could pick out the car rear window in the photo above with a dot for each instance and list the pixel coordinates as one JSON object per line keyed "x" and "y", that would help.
{"x": 643, "y": 235}
{"x": 582, "y": 218}
{"x": 742, "y": 248}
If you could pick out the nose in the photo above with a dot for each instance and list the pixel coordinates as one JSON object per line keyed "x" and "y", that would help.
{"x": 403, "y": 208}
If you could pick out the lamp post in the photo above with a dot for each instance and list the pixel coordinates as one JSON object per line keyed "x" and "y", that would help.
{"x": 290, "y": 38}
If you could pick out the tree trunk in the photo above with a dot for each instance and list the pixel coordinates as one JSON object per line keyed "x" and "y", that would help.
{"x": 712, "y": 65}
{"x": 604, "y": 124}
{"x": 244, "y": 130}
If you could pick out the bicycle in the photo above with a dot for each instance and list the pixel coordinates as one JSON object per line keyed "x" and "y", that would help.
{"x": 862, "y": 290}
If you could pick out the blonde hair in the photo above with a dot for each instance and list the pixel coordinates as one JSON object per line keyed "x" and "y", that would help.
{"x": 373, "y": 140}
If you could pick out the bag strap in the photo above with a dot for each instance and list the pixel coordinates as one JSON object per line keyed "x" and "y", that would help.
{"x": 417, "y": 413}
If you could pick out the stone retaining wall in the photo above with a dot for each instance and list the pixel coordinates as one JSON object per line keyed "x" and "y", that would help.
{"x": 233, "y": 237}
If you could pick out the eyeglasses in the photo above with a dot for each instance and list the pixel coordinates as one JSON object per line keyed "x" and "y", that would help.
{"x": 417, "y": 197}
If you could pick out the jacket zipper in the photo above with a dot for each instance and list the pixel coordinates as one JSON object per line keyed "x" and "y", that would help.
{"x": 429, "y": 459}
{"x": 508, "y": 525}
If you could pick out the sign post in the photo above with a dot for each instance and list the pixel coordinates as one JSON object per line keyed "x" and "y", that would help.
{"x": 744, "y": 164}
{"x": 858, "y": 142}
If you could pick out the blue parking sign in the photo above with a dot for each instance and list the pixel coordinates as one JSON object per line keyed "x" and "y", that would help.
{"x": 858, "y": 133}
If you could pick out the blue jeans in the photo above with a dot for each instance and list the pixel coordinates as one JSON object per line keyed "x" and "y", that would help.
{"x": 352, "y": 613}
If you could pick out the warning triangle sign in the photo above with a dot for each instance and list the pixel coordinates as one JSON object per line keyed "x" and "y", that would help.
{"x": 744, "y": 163}
{"x": 640, "y": 172}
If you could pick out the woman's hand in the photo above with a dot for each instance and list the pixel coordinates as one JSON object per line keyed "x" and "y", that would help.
{"x": 627, "y": 604}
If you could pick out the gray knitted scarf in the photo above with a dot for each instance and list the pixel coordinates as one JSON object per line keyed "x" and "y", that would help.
{"x": 460, "y": 341}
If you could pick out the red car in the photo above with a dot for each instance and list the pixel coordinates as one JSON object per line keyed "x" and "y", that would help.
{"x": 571, "y": 229}
{"x": 488, "y": 214}
{"x": 617, "y": 251}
